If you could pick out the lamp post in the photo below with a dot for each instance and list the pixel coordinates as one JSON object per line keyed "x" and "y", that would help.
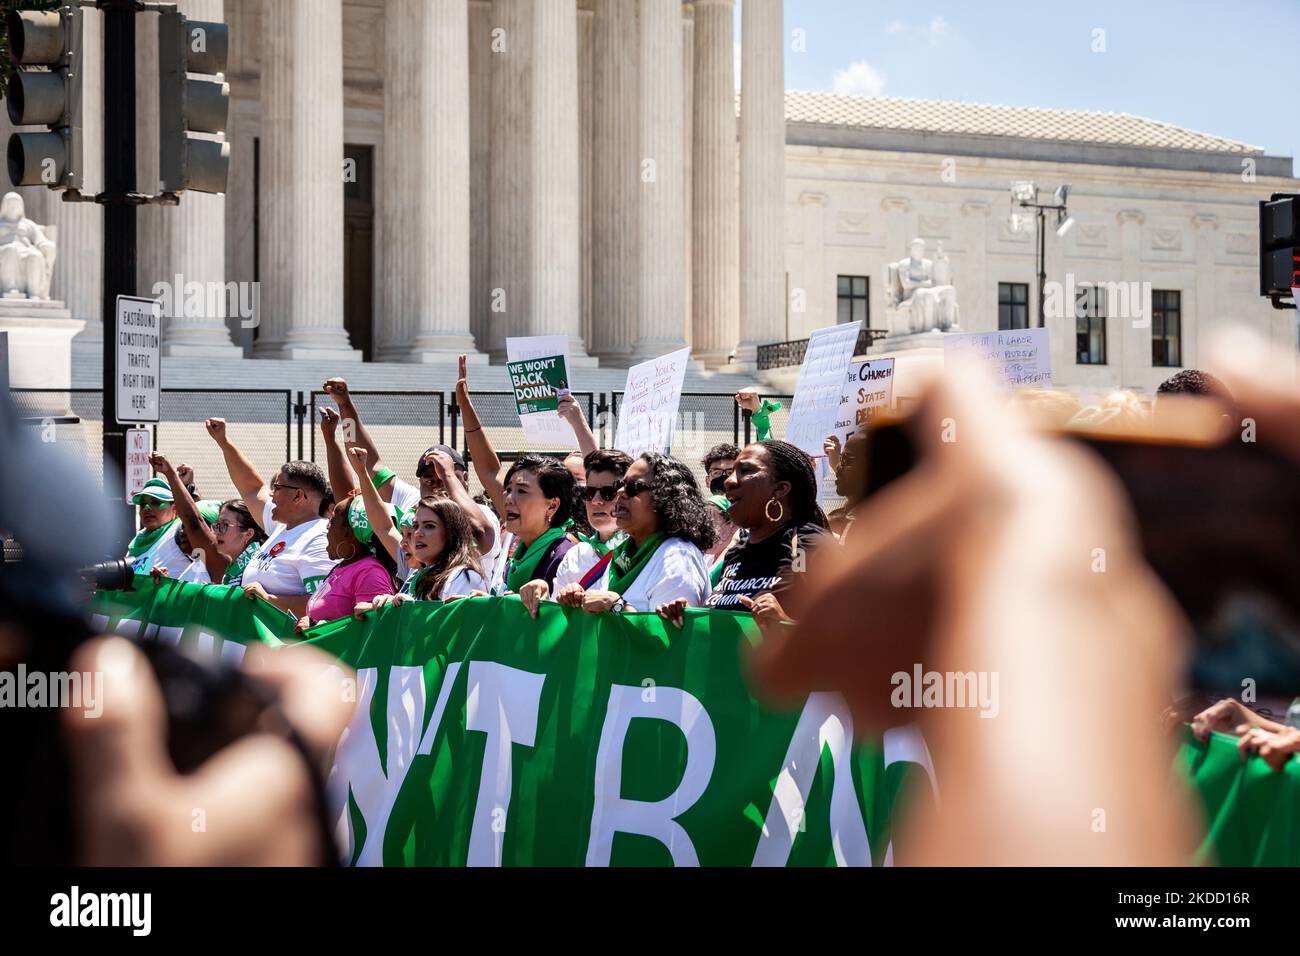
{"x": 1025, "y": 195}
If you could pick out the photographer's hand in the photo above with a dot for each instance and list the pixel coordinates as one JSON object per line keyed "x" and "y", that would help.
{"x": 252, "y": 804}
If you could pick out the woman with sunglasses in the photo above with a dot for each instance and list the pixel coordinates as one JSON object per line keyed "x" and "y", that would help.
{"x": 586, "y": 560}
{"x": 659, "y": 508}
{"x": 225, "y": 544}
{"x": 295, "y": 558}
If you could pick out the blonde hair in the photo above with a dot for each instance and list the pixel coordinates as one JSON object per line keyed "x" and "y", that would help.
{"x": 1119, "y": 412}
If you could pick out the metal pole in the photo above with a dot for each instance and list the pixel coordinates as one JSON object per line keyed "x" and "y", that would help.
{"x": 119, "y": 218}
{"x": 1042, "y": 266}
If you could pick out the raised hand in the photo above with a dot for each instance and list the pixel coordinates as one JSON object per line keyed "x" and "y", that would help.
{"x": 570, "y": 410}
{"x": 337, "y": 389}
{"x": 748, "y": 400}
{"x": 329, "y": 422}
{"x": 360, "y": 457}
{"x": 159, "y": 463}
{"x": 217, "y": 429}
{"x": 462, "y": 377}
{"x": 186, "y": 474}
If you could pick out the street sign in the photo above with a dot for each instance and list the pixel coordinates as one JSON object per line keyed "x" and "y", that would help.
{"x": 139, "y": 446}
{"x": 138, "y": 341}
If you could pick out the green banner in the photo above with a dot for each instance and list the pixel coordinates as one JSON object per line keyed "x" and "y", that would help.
{"x": 483, "y": 737}
{"x": 1252, "y": 812}
{"x": 538, "y": 383}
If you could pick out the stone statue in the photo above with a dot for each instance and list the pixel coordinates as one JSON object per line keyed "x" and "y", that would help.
{"x": 26, "y": 253}
{"x": 920, "y": 293}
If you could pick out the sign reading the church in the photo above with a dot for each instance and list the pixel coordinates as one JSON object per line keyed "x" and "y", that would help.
{"x": 821, "y": 384}
{"x": 647, "y": 414}
{"x": 868, "y": 390}
{"x": 138, "y": 337}
{"x": 538, "y": 384}
{"x": 1021, "y": 357}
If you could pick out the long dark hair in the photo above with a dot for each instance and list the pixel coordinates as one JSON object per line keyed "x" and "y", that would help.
{"x": 678, "y": 502}
{"x": 554, "y": 479}
{"x": 459, "y": 549}
{"x": 789, "y": 463}
{"x": 246, "y": 522}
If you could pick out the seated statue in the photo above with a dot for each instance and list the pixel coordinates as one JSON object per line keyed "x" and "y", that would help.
{"x": 919, "y": 292}
{"x": 26, "y": 253}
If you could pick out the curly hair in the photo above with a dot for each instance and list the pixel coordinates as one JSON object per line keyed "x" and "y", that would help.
{"x": 459, "y": 550}
{"x": 678, "y": 503}
{"x": 554, "y": 479}
{"x": 789, "y": 463}
{"x": 721, "y": 452}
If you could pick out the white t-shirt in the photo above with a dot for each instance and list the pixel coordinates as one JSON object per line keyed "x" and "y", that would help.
{"x": 579, "y": 559}
{"x": 678, "y": 570}
{"x": 291, "y": 561}
{"x": 461, "y": 583}
{"x": 195, "y": 573}
{"x": 406, "y": 496}
{"x": 165, "y": 553}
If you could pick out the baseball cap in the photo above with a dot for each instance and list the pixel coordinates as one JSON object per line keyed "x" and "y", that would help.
{"x": 153, "y": 488}
{"x": 447, "y": 450}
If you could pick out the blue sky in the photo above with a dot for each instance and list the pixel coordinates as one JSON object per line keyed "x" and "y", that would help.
{"x": 1195, "y": 63}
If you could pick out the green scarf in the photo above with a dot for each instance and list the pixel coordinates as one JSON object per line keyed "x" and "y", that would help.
{"x": 524, "y": 562}
{"x": 715, "y": 576}
{"x": 762, "y": 418}
{"x": 603, "y": 548}
{"x": 145, "y": 540}
{"x": 625, "y": 566}
{"x": 408, "y": 586}
{"x": 236, "y": 570}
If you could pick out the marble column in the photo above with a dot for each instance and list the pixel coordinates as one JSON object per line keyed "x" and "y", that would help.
{"x": 976, "y": 315}
{"x": 480, "y": 142}
{"x": 716, "y": 230}
{"x": 586, "y": 71}
{"x": 555, "y": 274}
{"x": 1203, "y": 316}
{"x": 510, "y": 194}
{"x": 615, "y": 181}
{"x": 182, "y": 249}
{"x": 426, "y": 180}
{"x": 661, "y": 326}
{"x": 688, "y": 168}
{"x": 302, "y": 182}
{"x": 1134, "y": 358}
{"x": 762, "y": 179}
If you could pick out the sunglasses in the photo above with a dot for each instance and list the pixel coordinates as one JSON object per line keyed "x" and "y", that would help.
{"x": 634, "y": 486}
{"x": 590, "y": 494}
{"x": 151, "y": 503}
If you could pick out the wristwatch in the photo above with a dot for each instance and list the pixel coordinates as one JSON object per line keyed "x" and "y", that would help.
{"x": 619, "y": 606}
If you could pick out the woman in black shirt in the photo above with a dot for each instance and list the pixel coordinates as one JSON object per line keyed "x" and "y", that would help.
{"x": 773, "y": 498}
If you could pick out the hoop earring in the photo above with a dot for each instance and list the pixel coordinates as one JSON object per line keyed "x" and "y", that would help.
{"x": 780, "y": 510}
{"x": 352, "y": 553}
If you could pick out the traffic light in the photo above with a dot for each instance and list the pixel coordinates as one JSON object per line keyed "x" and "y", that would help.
{"x": 1279, "y": 246}
{"x": 191, "y": 106}
{"x": 49, "y": 96}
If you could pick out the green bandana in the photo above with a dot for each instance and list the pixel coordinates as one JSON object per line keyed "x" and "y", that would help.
{"x": 235, "y": 573}
{"x": 524, "y": 562}
{"x": 625, "y": 566}
{"x": 603, "y": 548}
{"x": 145, "y": 540}
{"x": 762, "y": 419}
{"x": 715, "y": 576}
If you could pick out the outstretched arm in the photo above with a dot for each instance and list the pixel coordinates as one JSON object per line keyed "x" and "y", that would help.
{"x": 340, "y": 475}
{"x": 196, "y": 529}
{"x": 337, "y": 389}
{"x": 571, "y": 412}
{"x": 243, "y": 475}
{"x": 486, "y": 462}
{"x": 381, "y": 522}
{"x": 484, "y": 533}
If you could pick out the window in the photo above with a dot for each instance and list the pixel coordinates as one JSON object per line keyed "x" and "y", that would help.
{"x": 1090, "y": 325}
{"x": 1166, "y": 328}
{"x": 851, "y": 294}
{"x": 1013, "y": 305}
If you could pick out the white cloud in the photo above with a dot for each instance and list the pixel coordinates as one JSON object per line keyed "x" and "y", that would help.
{"x": 859, "y": 79}
{"x": 895, "y": 27}
{"x": 938, "y": 27}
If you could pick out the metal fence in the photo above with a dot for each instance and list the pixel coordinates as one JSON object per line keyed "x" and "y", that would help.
{"x": 259, "y": 421}
{"x": 785, "y": 354}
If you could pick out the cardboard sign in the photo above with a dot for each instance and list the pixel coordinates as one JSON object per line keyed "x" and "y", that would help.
{"x": 538, "y": 384}
{"x": 544, "y": 428}
{"x": 868, "y": 389}
{"x": 647, "y": 416}
{"x": 1022, "y": 357}
{"x": 139, "y": 445}
{"x": 821, "y": 385}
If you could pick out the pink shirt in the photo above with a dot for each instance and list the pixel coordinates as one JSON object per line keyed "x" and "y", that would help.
{"x": 347, "y": 586}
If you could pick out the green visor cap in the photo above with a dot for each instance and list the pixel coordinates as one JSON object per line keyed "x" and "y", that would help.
{"x": 209, "y": 511}
{"x": 153, "y": 488}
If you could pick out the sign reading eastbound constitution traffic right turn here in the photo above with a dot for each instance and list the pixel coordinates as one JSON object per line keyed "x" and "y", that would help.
{"x": 138, "y": 338}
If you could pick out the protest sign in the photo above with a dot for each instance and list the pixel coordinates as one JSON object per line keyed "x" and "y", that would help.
{"x": 139, "y": 445}
{"x": 868, "y": 389}
{"x": 537, "y": 384}
{"x": 647, "y": 413}
{"x": 821, "y": 385}
{"x": 1021, "y": 357}
{"x": 545, "y": 428}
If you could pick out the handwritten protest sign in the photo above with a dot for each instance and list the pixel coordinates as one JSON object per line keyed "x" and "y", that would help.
{"x": 1022, "y": 357}
{"x": 868, "y": 389}
{"x": 821, "y": 385}
{"x": 545, "y": 428}
{"x": 647, "y": 415}
{"x": 538, "y": 384}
